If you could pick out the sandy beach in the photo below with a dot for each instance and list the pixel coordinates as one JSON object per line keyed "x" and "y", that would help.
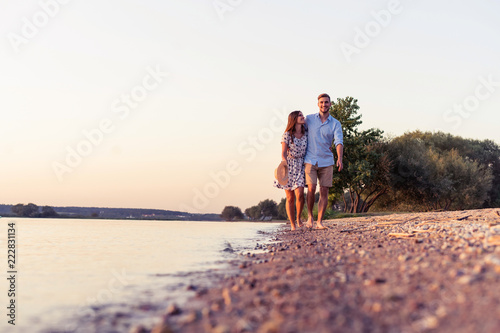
{"x": 419, "y": 272}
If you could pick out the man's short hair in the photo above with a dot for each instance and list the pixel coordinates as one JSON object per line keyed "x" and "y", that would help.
{"x": 324, "y": 95}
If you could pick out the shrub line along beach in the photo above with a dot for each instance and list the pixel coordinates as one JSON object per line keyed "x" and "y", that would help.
{"x": 414, "y": 272}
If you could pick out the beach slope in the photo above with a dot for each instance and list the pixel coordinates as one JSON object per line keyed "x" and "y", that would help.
{"x": 419, "y": 272}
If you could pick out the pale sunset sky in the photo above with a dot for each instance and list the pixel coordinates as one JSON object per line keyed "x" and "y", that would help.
{"x": 180, "y": 105}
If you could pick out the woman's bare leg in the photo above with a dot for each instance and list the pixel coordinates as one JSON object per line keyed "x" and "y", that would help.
{"x": 299, "y": 194}
{"x": 290, "y": 207}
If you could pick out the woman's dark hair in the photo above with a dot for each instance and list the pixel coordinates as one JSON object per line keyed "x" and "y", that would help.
{"x": 292, "y": 121}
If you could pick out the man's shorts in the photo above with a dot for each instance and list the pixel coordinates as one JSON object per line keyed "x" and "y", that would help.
{"x": 325, "y": 175}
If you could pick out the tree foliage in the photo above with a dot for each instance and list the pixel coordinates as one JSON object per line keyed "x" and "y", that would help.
{"x": 282, "y": 209}
{"x": 484, "y": 152}
{"x": 269, "y": 207}
{"x": 265, "y": 208}
{"x": 253, "y": 213}
{"x": 230, "y": 213}
{"x": 421, "y": 170}
{"x": 29, "y": 210}
{"x": 365, "y": 177}
{"x": 48, "y": 211}
{"x": 32, "y": 210}
{"x": 441, "y": 171}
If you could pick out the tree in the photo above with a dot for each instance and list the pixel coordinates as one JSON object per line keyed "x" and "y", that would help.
{"x": 486, "y": 153}
{"x": 463, "y": 183}
{"x": 17, "y": 209}
{"x": 253, "y": 213}
{"x": 29, "y": 210}
{"x": 268, "y": 207}
{"x": 410, "y": 170}
{"x": 365, "y": 177}
{"x": 48, "y": 211}
{"x": 440, "y": 171}
{"x": 230, "y": 213}
{"x": 282, "y": 209}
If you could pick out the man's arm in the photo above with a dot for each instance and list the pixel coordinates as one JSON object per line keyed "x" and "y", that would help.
{"x": 339, "y": 144}
{"x": 340, "y": 155}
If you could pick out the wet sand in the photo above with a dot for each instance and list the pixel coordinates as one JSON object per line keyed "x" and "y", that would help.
{"x": 419, "y": 272}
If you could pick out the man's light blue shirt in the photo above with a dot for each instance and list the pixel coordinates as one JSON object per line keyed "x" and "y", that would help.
{"x": 319, "y": 139}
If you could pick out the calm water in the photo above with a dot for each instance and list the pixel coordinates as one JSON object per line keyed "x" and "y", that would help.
{"x": 71, "y": 272}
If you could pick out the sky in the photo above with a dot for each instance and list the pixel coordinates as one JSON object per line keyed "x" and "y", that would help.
{"x": 180, "y": 105}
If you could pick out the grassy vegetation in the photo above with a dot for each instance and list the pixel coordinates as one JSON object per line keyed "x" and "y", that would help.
{"x": 333, "y": 214}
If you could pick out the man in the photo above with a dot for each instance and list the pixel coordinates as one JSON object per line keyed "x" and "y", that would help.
{"x": 323, "y": 129}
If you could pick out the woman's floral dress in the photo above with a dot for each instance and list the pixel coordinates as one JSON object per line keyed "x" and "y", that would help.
{"x": 295, "y": 160}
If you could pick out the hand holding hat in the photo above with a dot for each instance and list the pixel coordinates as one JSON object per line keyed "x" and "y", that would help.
{"x": 281, "y": 173}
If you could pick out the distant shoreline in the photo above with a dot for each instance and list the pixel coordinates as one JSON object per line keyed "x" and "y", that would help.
{"x": 137, "y": 219}
{"x": 110, "y": 213}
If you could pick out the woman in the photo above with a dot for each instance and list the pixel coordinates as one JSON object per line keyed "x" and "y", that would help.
{"x": 293, "y": 150}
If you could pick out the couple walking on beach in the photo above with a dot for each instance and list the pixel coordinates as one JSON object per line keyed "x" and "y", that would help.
{"x": 306, "y": 157}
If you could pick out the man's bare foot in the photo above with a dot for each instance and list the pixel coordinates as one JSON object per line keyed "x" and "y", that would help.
{"x": 309, "y": 223}
{"x": 320, "y": 226}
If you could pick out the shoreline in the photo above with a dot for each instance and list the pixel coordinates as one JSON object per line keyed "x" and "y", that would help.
{"x": 165, "y": 266}
{"x": 413, "y": 272}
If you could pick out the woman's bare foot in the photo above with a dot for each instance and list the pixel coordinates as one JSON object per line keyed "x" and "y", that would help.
{"x": 292, "y": 225}
{"x": 299, "y": 223}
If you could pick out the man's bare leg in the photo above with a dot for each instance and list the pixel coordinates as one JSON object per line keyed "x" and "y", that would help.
{"x": 322, "y": 203}
{"x": 290, "y": 207}
{"x": 311, "y": 191}
{"x": 299, "y": 194}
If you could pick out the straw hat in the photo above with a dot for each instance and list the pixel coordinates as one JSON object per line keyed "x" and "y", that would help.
{"x": 281, "y": 173}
